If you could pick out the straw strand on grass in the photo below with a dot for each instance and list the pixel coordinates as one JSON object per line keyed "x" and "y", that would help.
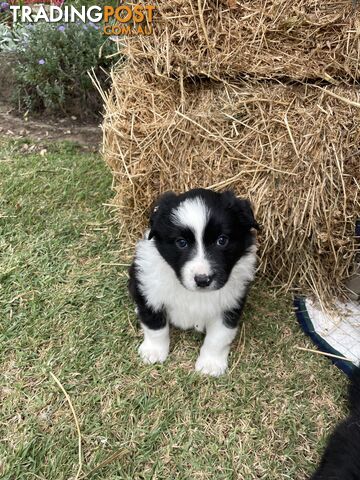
{"x": 68, "y": 399}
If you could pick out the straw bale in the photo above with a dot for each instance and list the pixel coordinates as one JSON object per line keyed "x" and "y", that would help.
{"x": 293, "y": 150}
{"x": 273, "y": 38}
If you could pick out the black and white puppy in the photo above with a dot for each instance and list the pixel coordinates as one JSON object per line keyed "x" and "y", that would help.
{"x": 192, "y": 269}
{"x": 341, "y": 459}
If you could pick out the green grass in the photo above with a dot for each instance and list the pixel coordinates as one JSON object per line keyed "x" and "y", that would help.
{"x": 64, "y": 309}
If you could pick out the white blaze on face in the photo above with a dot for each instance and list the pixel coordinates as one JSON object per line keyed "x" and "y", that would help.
{"x": 193, "y": 214}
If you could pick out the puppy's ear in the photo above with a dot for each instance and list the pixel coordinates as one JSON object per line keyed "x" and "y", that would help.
{"x": 162, "y": 204}
{"x": 243, "y": 209}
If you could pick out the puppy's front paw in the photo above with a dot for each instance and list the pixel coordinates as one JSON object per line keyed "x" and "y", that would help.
{"x": 153, "y": 353}
{"x": 211, "y": 365}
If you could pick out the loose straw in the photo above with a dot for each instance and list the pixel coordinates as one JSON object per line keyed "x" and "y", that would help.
{"x": 76, "y": 423}
{"x": 319, "y": 352}
{"x": 115, "y": 456}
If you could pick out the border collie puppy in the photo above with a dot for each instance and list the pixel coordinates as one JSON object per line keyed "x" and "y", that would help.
{"x": 341, "y": 460}
{"x": 192, "y": 269}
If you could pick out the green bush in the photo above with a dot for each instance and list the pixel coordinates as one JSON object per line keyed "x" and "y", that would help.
{"x": 11, "y": 37}
{"x": 52, "y": 68}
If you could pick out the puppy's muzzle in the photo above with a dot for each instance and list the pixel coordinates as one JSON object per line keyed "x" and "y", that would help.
{"x": 203, "y": 281}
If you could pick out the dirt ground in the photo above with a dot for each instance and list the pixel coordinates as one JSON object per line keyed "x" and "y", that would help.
{"x": 43, "y": 130}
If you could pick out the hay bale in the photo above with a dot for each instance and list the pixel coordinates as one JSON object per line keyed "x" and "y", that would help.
{"x": 293, "y": 150}
{"x": 276, "y": 38}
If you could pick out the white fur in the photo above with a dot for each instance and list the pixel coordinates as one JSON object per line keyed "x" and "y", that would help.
{"x": 215, "y": 349}
{"x": 155, "y": 347}
{"x": 193, "y": 213}
{"x": 186, "y": 309}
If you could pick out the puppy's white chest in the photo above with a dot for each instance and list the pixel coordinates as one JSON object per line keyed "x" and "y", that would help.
{"x": 187, "y": 309}
{"x": 187, "y": 318}
{"x": 188, "y": 323}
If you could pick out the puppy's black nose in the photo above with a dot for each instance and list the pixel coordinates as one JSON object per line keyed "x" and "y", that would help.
{"x": 202, "y": 280}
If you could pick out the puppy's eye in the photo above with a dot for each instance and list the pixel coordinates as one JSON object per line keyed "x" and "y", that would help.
{"x": 181, "y": 243}
{"x": 222, "y": 241}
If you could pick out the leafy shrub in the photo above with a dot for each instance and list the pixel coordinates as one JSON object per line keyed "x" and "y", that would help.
{"x": 53, "y": 63}
{"x": 11, "y": 37}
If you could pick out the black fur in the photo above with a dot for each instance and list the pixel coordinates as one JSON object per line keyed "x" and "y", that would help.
{"x": 231, "y": 317}
{"x": 341, "y": 459}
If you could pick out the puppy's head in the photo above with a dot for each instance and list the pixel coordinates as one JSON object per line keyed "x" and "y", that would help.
{"x": 202, "y": 234}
